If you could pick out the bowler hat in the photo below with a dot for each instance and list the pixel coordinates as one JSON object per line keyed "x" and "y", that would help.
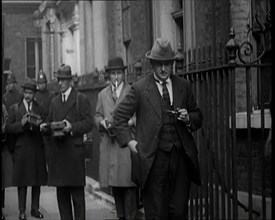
{"x": 11, "y": 79}
{"x": 161, "y": 51}
{"x": 64, "y": 72}
{"x": 115, "y": 64}
{"x": 41, "y": 78}
{"x": 29, "y": 84}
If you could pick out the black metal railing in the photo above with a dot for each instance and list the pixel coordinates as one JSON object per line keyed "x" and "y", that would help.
{"x": 236, "y": 183}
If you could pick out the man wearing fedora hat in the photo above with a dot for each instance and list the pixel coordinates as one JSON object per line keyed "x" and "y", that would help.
{"x": 164, "y": 152}
{"x": 66, "y": 166}
{"x": 114, "y": 161}
{"x": 29, "y": 160}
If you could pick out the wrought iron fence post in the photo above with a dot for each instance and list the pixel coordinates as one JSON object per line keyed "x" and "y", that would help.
{"x": 232, "y": 48}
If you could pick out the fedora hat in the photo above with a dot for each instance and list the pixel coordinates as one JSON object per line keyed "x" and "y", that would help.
{"x": 64, "y": 72}
{"x": 115, "y": 64}
{"x": 11, "y": 79}
{"x": 161, "y": 51}
{"x": 29, "y": 84}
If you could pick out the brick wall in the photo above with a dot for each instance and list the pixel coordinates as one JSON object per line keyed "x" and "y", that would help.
{"x": 19, "y": 25}
{"x": 257, "y": 162}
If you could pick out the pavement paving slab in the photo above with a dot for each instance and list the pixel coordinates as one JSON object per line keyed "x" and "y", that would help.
{"x": 96, "y": 209}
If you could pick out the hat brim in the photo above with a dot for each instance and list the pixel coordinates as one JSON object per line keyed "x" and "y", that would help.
{"x": 115, "y": 68}
{"x": 149, "y": 56}
{"x": 63, "y": 77}
{"x": 30, "y": 88}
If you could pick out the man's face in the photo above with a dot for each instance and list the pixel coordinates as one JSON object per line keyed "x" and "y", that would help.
{"x": 41, "y": 86}
{"x": 162, "y": 69}
{"x": 28, "y": 95}
{"x": 116, "y": 77}
{"x": 64, "y": 84}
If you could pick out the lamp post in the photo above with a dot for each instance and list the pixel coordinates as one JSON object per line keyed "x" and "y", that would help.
{"x": 37, "y": 25}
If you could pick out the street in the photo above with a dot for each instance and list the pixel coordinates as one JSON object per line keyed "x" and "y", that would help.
{"x": 95, "y": 208}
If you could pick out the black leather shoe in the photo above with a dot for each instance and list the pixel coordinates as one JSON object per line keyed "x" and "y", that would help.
{"x": 35, "y": 213}
{"x": 3, "y": 217}
{"x": 22, "y": 217}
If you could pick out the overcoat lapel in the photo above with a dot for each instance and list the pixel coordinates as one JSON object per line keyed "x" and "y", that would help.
{"x": 153, "y": 96}
{"x": 109, "y": 96}
{"x": 177, "y": 92}
{"x": 21, "y": 110}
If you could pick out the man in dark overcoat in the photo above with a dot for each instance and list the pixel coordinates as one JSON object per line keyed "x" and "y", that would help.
{"x": 11, "y": 96}
{"x": 164, "y": 153}
{"x": 66, "y": 166}
{"x": 29, "y": 160}
{"x": 6, "y": 160}
{"x": 43, "y": 97}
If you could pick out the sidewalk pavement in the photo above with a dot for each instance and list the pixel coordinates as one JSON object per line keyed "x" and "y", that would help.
{"x": 92, "y": 187}
{"x": 99, "y": 205}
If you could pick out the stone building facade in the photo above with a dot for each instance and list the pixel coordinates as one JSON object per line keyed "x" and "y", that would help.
{"x": 19, "y": 36}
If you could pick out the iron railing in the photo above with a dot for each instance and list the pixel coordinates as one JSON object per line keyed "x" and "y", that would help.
{"x": 235, "y": 171}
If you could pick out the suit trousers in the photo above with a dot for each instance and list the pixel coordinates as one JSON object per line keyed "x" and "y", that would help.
{"x": 126, "y": 202}
{"x": 66, "y": 195}
{"x": 166, "y": 192}
{"x": 22, "y": 197}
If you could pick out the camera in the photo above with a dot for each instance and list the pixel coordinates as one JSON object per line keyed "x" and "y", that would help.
{"x": 57, "y": 128}
{"x": 34, "y": 119}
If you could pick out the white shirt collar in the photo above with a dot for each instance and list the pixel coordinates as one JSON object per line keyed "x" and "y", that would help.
{"x": 26, "y": 104}
{"x": 67, "y": 93}
{"x": 168, "y": 80}
{"x": 168, "y": 85}
{"x": 118, "y": 89}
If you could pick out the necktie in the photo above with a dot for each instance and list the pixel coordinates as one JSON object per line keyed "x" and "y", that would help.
{"x": 29, "y": 107}
{"x": 165, "y": 93}
{"x": 114, "y": 95}
{"x": 64, "y": 98}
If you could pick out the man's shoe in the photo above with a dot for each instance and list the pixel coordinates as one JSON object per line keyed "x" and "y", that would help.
{"x": 22, "y": 217}
{"x": 3, "y": 217}
{"x": 35, "y": 213}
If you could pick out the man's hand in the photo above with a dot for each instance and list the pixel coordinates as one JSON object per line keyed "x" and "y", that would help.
{"x": 183, "y": 116}
{"x": 43, "y": 127}
{"x": 133, "y": 146}
{"x": 103, "y": 123}
{"x": 130, "y": 122}
{"x": 68, "y": 126}
{"x": 24, "y": 120}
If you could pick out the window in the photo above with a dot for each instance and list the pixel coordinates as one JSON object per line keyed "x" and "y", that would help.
{"x": 126, "y": 25}
{"x": 261, "y": 30}
{"x": 178, "y": 17}
{"x": 30, "y": 56}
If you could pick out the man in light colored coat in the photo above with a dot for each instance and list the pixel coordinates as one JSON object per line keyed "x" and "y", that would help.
{"x": 115, "y": 162}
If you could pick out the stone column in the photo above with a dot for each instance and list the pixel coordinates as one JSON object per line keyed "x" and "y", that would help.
{"x": 100, "y": 32}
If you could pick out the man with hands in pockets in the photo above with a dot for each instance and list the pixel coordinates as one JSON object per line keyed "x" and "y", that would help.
{"x": 164, "y": 153}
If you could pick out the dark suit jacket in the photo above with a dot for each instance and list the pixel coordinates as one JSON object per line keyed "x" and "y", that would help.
{"x": 67, "y": 154}
{"x": 145, "y": 99}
